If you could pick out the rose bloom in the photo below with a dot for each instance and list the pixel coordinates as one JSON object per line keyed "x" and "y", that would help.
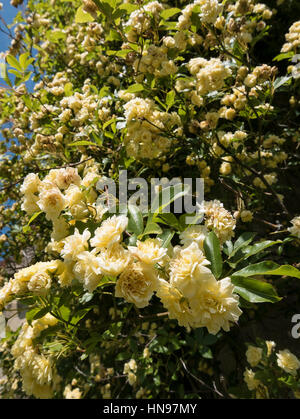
{"x": 211, "y": 304}
{"x": 113, "y": 261}
{"x": 195, "y": 233}
{"x": 295, "y": 230}
{"x": 40, "y": 283}
{"x": 220, "y": 220}
{"x": 30, "y": 185}
{"x": 60, "y": 229}
{"x": 149, "y": 251}
{"x": 187, "y": 268}
{"x": 270, "y": 346}
{"x": 253, "y": 355}
{"x": 177, "y": 306}
{"x": 5, "y": 295}
{"x": 87, "y": 270}
{"x": 75, "y": 244}
{"x": 63, "y": 178}
{"x": 51, "y": 201}
{"x": 137, "y": 284}
{"x": 109, "y": 232}
{"x": 39, "y": 272}
{"x": 215, "y": 306}
{"x": 288, "y": 361}
{"x": 250, "y": 380}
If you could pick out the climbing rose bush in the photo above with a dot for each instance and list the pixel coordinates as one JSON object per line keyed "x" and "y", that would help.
{"x": 145, "y": 304}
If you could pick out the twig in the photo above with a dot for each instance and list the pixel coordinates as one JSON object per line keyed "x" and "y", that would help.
{"x": 200, "y": 381}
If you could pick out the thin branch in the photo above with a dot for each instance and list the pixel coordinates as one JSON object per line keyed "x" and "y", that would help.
{"x": 215, "y": 390}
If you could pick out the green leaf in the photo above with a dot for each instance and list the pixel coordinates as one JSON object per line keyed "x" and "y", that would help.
{"x": 258, "y": 247}
{"x": 80, "y": 315}
{"x": 104, "y": 91}
{"x": 135, "y": 220}
{"x": 166, "y": 237}
{"x": 168, "y": 195}
{"x": 107, "y": 123}
{"x": 13, "y": 62}
{"x": 167, "y": 13}
{"x": 68, "y": 88}
{"x": 129, "y": 8}
{"x": 168, "y": 219}
{"x": 242, "y": 241}
{"x": 170, "y": 99}
{"x": 106, "y": 7}
{"x": 284, "y": 56}
{"x": 83, "y": 17}
{"x": 36, "y": 313}
{"x": 53, "y": 346}
{"x": 82, "y": 142}
{"x": 55, "y": 36}
{"x": 213, "y": 253}
{"x": 280, "y": 81}
{"x": 15, "y": 72}
{"x": 36, "y": 214}
{"x": 134, "y": 88}
{"x": 27, "y": 76}
{"x": 151, "y": 228}
{"x": 268, "y": 268}
{"x": 228, "y": 247}
{"x": 65, "y": 312}
{"x": 23, "y": 60}
{"x": 255, "y": 291}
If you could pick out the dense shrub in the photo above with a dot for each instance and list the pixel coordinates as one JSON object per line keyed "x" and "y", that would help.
{"x": 135, "y": 304}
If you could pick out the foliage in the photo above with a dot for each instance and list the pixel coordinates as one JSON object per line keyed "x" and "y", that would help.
{"x": 175, "y": 89}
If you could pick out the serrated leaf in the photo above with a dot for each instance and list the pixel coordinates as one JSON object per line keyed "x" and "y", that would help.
{"x": 36, "y": 313}
{"x": 13, "y": 62}
{"x": 268, "y": 268}
{"x": 284, "y": 56}
{"x": 168, "y": 195}
{"x": 83, "y": 17}
{"x": 242, "y": 241}
{"x": 167, "y": 13}
{"x": 79, "y": 315}
{"x": 34, "y": 216}
{"x": 168, "y": 219}
{"x": 170, "y": 99}
{"x": 258, "y": 247}
{"x": 82, "y": 142}
{"x": 166, "y": 237}
{"x": 134, "y": 88}
{"x": 68, "y": 88}
{"x": 280, "y": 81}
{"x": 255, "y": 291}
{"x": 23, "y": 60}
{"x": 212, "y": 251}
{"x": 151, "y": 228}
{"x": 65, "y": 312}
{"x": 135, "y": 220}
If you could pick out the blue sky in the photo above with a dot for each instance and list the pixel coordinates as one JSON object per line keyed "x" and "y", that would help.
{"x": 8, "y": 13}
